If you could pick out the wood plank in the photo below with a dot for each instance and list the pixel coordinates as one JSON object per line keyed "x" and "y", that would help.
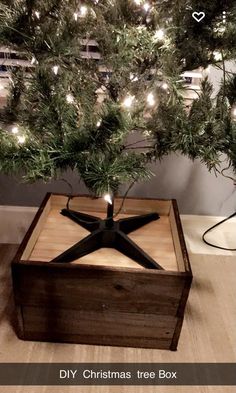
{"x": 34, "y": 231}
{"x": 208, "y": 333}
{"x": 93, "y": 288}
{"x": 131, "y": 205}
{"x": 178, "y": 240}
{"x": 59, "y": 233}
{"x": 7, "y": 252}
{"x": 122, "y": 329}
{"x": 180, "y": 312}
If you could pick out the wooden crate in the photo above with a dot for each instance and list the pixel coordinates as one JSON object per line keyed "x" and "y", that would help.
{"x": 104, "y": 297}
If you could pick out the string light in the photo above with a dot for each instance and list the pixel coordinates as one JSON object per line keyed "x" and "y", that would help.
{"x": 150, "y": 99}
{"x": 99, "y": 123}
{"x": 138, "y": 2}
{"x": 33, "y": 60}
{"x": 128, "y": 101}
{"x": 83, "y": 11}
{"x": 164, "y": 86}
{"x": 21, "y": 139}
{"x": 146, "y": 7}
{"x": 108, "y": 198}
{"x": 15, "y": 130}
{"x": 37, "y": 14}
{"x": 217, "y": 55}
{"x": 69, "y": 98}
{"x": 75, "y": 16}
{"x": 234, "y": 112}
{"x": 55, "y": 69}
{"x": 133, "y": 78}
{"x": 159, "y": 34}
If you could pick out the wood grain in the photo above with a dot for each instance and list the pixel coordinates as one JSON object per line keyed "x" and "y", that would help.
{"x": 94, "y": 288}
{"x": 131, "y": 205}
{"x": 208, "y": 333}
{"x": 104, "y": 283}
{"x": 58, "y": 233}
{"x": 107, "y": 328}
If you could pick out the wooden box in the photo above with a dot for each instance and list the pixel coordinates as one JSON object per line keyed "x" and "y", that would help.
{"x": 104, "y": 297}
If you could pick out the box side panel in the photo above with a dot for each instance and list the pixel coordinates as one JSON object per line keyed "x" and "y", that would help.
{"x": 180, "y": 312}
{"x": 33, "y": 231}
{"x": 131, "y": 205}
{"x": 95, "y": 289}
{"x": 18, "y": 318}
{"x": 106, "y": 328}
{"x": 178, "y": 239}
{"x": 18, "y": 323}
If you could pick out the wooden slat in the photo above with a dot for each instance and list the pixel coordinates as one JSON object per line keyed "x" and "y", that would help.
{"x": 93, "y": 288}
{"x": 7, "y": 252}
{"x": 122, "y": 329}
{"x": 59, "y": 233}
{"x": 178, "y": 240}
{"x": 34, "y": 230}
{"x": 131, "y": 205}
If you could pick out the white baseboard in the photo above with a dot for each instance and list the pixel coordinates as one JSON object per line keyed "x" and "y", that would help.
{"x": 224, "y": 235}
{"x": 14, "y": 222}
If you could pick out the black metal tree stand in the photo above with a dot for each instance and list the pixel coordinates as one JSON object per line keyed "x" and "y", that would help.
{"x": 108, "y": 233}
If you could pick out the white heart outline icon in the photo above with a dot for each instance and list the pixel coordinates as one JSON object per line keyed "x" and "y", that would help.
{"x": 198, "y": 16}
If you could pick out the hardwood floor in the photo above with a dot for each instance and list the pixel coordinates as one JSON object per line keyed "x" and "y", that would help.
{"x": 208, "y": 333}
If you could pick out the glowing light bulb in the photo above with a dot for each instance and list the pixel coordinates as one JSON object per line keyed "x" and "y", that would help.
{"x": 133, "y": 78}
{"x": 217, "y": 56}
{"x": 138, "y": 2}
{"x": 150, "y": 99}
{"x": 159, "y": 34}
{"x": 37, "y": 14}
{"x": 128, "y": 101}
{"x": 83, "y": 11}
{"x": 75, "y": 16}
{"x": 33, "y": 60}
{"x": 99, "y": 123}
{"x": 69, "y": 98}
{"x": 164, "y": 86}
{"x": 55, "y": 69}
{"x": 146, "y": 7}
{"x": 15, "y": 130}
{"x": 234, "y": 112}
{"x": 21, "y": 139}
{"x": 108, "y": 198}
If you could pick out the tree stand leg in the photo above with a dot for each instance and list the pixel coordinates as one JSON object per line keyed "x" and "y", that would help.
{"x": 110, "y": 234}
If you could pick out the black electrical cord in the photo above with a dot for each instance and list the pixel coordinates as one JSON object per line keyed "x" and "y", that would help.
{"x": 70, "y": 197}
{"x": 213, "y": 227}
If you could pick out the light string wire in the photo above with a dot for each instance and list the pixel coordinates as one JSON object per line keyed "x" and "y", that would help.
{"x": 213, "y": 227}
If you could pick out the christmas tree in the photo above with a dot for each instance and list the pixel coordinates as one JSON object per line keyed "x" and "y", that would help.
{"x": 100, "y": 71}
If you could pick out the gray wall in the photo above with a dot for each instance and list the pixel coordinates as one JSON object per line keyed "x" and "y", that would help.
{"x": 196, "y": 190}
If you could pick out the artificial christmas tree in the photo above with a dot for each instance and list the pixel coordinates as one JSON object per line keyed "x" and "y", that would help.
{"x": 70, "y": 109}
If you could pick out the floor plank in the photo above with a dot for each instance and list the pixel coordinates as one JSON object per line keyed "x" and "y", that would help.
{"x": 208, "y": 333}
